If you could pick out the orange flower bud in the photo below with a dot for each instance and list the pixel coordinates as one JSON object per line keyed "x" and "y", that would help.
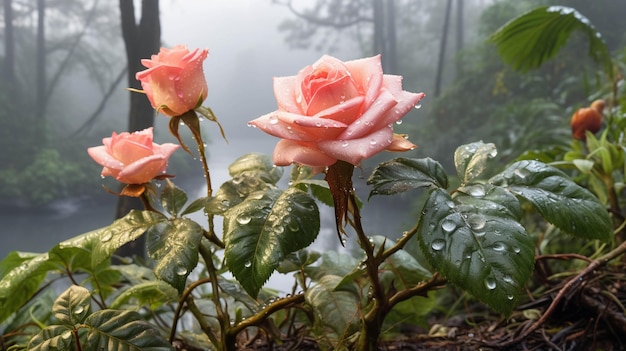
{"x": 587, "y": 119}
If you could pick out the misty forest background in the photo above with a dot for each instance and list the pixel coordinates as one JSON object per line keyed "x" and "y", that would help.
{"x": 65, "y": 72}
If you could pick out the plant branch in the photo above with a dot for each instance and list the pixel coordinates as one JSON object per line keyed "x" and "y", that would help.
{"x": 181, "y": 303}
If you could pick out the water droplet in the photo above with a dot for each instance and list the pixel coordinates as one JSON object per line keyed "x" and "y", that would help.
{"x": 418, "y": 106}
{"x": 243, "y": 219}
{"x": 493, "y": 153}
{"x": 510, "y": 297}
{"x": 345, "y": 144}
{"x": 521, "y": 173}
{"x": 477, "y": 191}
{"x": 79, "y": 310}
{"x": 448, "y": 226}
{"x": 438, "y": 244}
{"x": 181, "y": 271}
{"x": 106, "y": 237}
{"x": 476, "y": 222}
{"x": 273, "y": 120}
{"x": 490, "y": 283}
{"x": 398, "y": 122}
{"x": 507, "y": 278}
{"x": 499, "y": 246}
{"x": 248, "y": 264}
{"x": 516, "y": 249}
{"x": 450, "y": 204}
{"x": 372, "y": 142}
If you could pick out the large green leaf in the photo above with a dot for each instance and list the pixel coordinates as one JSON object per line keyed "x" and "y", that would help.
{"x": 76, "y": 253}
{"x": 338, "y": 310}
{"x": 152, "y": 294}
{"x": 123, "y": 231}
{"x": 470, "y": 160}
{"x": 258, "y": 165}
{"x": 233, "y": 192}
{"x": 557, "y": 198}
{"x": 529, "y": 40}
{"x": 173, "y": 198}
{"x": 476, "y": 241}
{"x": 115, "y": 330}
{"x": 53, "y": 338}
{"x": 174, "y": 247}
{"x": 403, "y": 174}
{"x": 22, "y": 275}
{"x": 72, "y": 306}
{"x": 261, "y": 231}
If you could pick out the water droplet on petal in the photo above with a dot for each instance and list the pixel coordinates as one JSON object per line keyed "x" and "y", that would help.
{"x": 273, "y": 120}
{"x": 344, "y": 144}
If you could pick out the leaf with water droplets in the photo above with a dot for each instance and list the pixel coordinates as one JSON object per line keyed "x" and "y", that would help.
{"x": 262, "y": 230}
{"x": 54, "y": 337}
{"x": 336, "y": 309}
{"x": 123, "y": 231}
{"x": 72, "y": 306}
{"x": 122, "y": 331}
{"x": 403, "y": 174}
{"x": 172, "y": 198}
{"x": 470, "y": 160}
{"x": 470, "y": 239}
{"x": 557, "y": 198}
{"x": 174, "y": 247}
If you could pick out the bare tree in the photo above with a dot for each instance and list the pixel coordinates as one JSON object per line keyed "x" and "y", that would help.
{"x": 142, "y": 40}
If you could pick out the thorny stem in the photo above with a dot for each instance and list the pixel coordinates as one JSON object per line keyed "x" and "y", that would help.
{"x": 258, "y": 317}
{"x": 373, "y": 320}
{"x": 570, "y": 285}
{"x": 181, "y": 303}
{"x": 222, "y": 314}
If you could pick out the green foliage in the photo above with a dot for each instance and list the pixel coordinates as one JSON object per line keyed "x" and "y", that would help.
{"x": 527, "y": 41}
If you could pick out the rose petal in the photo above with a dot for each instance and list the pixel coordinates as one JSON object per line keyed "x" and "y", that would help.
{"x": 367, "y": 74}
{"x": 406, "y": 102}
{"x": 346, "y": 113}
{"x": 369, "y": 121}
{"x": 297, "y": 127}
{"x": 287, "y": 152}
{"x": 128, "y": 151}
{"x": 143, "y": 170}
{"x": 355, "y": 150}
{"x": 166, "y": 150}
{"x": 285, "y": 93}
{"x": 331, "y": 94}
{"x": 103, "y": 158}
{"x": 400, "y": 143}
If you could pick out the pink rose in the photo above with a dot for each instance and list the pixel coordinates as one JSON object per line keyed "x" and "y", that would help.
{"x": 336, "y": 110}
{"x": 132, "y": 158}
{"x": 174, "y": 81}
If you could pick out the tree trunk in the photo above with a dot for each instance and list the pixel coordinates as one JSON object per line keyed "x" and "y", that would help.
{"x": 459, "y": 38}
{"x": 142, "y": 41}
{"x": 442, "y": 49}
{"x": 391, "y": 49}
{"x": 41, "y": 61}
{"x": 379, "y": 29}
{"x": 9, "y": 47}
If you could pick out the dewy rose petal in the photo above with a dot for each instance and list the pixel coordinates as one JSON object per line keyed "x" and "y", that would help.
{"x": 334, "y": 110}
{"x": 174, "y": 81}
{"x": 132, "y": 158}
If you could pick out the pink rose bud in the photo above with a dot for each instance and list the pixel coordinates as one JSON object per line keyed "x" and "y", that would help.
{"x": 132, "y": 158}
{"x": 174, "y": 81}
{"x": 336, "y": 110}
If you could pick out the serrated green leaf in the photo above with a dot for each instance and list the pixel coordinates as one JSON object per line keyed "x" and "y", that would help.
{"x": 173, "y": 198}
{"x": 261, "y": 231}
{"x": 72, "y": 306}
{"x": 470, "y": 160}
{"x": 257, "y": 165}
{"x": 333, "y": 263}
{"x": 115, "y": 330}
{"x": 531, "y": 39}
{"x": 195, "y": 206}
{"x": 123, "y": 231}
{"x": 23, "y": 325}
{"x": 476, "y": 241}
{"x": 557, "y": 198}
{"x": 336, "y": 309}
{"x": 152, "y": 293}
{"x": 23, "y": 273}
{"x": 403, "y": 174}
{"x": 53, "y": 338}
{"x": 174, "y": 247}
{"x": 297, "y": 261}
{"x": 76, "y": 253}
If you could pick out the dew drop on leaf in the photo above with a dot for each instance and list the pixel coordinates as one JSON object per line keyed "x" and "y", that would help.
{"x": 477, "y": 191}
{"x": 438, "y": 244}
{"x": 448, "y": 226}
{"x": 107, "y": 237}
{"x": 181, "y": 271}
{"x": 243, "y": 219}
{"x": 79, "y": 310}
{"x": 521, "y": 173}
{"x": 476, "y": 221}
{"x": 490, "y": 283}
{"x": 499, "y": 246}
{"x": 248, "y": 264}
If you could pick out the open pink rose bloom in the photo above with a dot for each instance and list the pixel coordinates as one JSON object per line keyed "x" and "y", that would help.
{"x": 336, "y": 110}
{"x": 174, "y": 81}
{"x": 132, "y": 158}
